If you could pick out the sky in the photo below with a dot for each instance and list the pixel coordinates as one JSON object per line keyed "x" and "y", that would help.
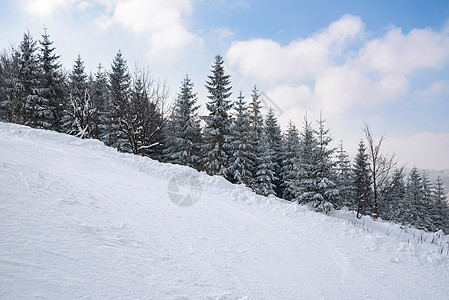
{"x": 383, "y": 63}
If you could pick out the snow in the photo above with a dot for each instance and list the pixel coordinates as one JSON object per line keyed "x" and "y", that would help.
{"x": 80, "y": 220}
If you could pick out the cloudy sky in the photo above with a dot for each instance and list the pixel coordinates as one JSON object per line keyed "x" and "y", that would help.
{"x": 382, "y": 62}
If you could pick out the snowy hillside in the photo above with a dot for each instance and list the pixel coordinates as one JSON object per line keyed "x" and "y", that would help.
{"x": 80, "y": 220}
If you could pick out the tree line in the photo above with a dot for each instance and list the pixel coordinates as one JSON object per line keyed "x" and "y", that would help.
{"x": 129, "y": 111}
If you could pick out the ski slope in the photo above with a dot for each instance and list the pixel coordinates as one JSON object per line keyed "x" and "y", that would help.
{"x": 80, "y": 220}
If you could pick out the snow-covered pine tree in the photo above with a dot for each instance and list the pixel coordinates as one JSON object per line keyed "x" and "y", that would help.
{"x": 427, "y": 201}
{"x": 184, "y": 137}
{"x": 100, "y": 96}
{"x": 120, "y": 90}
{"x": 52, "y": 101}
{"x": 414, "y": 214}
{"x": 29, "y": 82}
{"x": 440, "y": 207}
{"x": 290, "y": 150}
{"x": 304, "y": 183}
{"x": 265, "y": 176}
{"x": 10, "y": 104}
{"x": 242, "y": 159}
{"x": 216, "y": 133}
{"x": 394, "y": 203}
{"x": 78, "y": 78}
{"x": 79, "y": 116}
{"x": 9, "y": 83}
{"x": 344, "y": 178}
{"x": 361, "y": 179}
{"x": 327, "y": 193}
{"x": 274, "y": 134}
{"x": 255, "y": 115}
{"x": 256, "y": 122}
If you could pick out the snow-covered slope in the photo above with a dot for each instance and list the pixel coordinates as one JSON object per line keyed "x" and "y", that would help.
{"x": 79, "y": 220}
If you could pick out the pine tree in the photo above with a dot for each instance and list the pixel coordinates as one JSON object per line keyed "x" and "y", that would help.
{"x": 362, "y": 181}
{"x": 241, "y": 161}
{"x": 265, "y": 176}
{"x": 120, "y": 89}
{"x": 304, "y": 183}
{"x": 290, "y": 150}
{"x": 274, "y": 135}
{"x": 51, "y": 105}
{"x": 216, "y": 132}
{"x": 255, "y": 115}
{"x": 440, "y": 208}
{"x": 344, "y": 178}
{"x": 183, "y": 146}
{"x": 395, "y": 201}
{"x": 414, "y": 214}
{"x": 256, "y": 122}
{"x": 427, "y": 201}
{"x": 327, "y": 192}
{"x": 29, "y": 82}
{"x": 99, "y": 92}
{"x": 10, "y": 87}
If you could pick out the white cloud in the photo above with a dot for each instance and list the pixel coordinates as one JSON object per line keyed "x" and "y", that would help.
{"x": 161, "y": 22}
{"x": 343, "y": 75}
{"x": 398, "y": 53}
{"x": 44, "y": 8}
{"x": 434, "y": 91}
{"x": 340, "y": 88}
{"x": 287, "y": 97}
{"x": 301, "y": 59}
{"x": 425, "y": 150}
{"x": 84, "y": 5}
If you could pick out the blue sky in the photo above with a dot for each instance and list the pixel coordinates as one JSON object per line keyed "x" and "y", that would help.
{"x": 381, "y": 62}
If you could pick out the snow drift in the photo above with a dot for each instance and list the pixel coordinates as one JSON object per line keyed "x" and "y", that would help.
{"x": 80, "y": 220}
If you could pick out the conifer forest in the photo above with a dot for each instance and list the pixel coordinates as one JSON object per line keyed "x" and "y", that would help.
{"x": 133, "y": 112}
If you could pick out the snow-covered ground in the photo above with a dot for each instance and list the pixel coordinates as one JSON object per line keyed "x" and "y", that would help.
{"x": 80, "y": 220}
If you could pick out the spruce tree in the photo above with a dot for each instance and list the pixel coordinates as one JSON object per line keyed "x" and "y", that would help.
{"x": 327, "y": 192}
{"x": 304, "y": 183}
{"x": 10, "y": 87}
{"x": 395, "y": 201}
{"x": 120, "y": 90}
{"x": 255, "y": 115}
{"x": 241, "y": 161}
{"x": 290, "y": 150}
{"x": 264, "y": 176}
{"x": 361, "y": 181}
{"x": 30, "y": 78}
{"x": 256, "y": 122}
{"x": 274, "y": 135}
{"x": 217, "y": 129}
{"x": 427, "y": 201}
{"x": 99, "y": 92}
{"x": 440, "y": 207}
{"x": 52, "y": 98}
{"x": 344, "y": 178}
{"x": 184, "y": 138}
{"x": 414, "y": 213}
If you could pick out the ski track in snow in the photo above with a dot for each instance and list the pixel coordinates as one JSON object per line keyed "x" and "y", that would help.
{"x": 79, "y": 220}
